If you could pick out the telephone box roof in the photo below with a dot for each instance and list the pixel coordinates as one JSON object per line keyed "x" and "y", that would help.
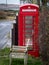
{"x": 30, "y": 4}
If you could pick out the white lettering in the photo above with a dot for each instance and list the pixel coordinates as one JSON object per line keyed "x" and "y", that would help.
{"x": 29, "y": 10}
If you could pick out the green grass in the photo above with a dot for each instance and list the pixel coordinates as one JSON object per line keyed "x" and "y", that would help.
{"x": 4, "y": 51}
{"x": 5, "y": 60}
{"x": 31, "y": 61}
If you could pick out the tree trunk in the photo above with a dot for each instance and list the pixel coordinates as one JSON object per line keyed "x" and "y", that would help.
{"x": 43, "y": 44}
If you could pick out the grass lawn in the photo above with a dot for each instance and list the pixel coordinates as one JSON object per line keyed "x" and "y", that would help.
{"x": 31, "y": 61}
{"x": 5, "y": 60}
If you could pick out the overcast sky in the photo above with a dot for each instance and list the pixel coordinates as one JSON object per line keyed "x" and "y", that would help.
{"x": 10, "y": 1}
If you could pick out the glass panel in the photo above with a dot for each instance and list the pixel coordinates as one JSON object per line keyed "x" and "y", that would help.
{"x": 28, "y": 21}
{"x": 28, "y": 26}
{"x": 29, "y": 43}
{"x": 28, "y": 17}
{"x": 28, "y": 31}
{"x": 28, "y": 35}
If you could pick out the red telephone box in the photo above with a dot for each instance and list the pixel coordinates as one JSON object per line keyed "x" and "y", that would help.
{"x": 28, "y": 20}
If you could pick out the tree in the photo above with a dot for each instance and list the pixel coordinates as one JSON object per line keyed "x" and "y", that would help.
{"x": 38, "y": 2}
{"x": 44, "y": 2}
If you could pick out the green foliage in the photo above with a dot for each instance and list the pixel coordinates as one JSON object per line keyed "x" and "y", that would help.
{"x": 4, "y": 51}
{"x": 44, "y": 2}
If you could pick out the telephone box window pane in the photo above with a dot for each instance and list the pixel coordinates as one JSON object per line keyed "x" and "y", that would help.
{"x": 28, "y": 17}
{"x": 28, "y": 21}
{"x": 28, "y": 31}
{"x": 28, "y": 35}
{"x": 29, "y": 42}
{"x": 28, "y": 26}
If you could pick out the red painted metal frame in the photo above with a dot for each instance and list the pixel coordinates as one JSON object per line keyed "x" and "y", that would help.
{"x": 35, "y": 50}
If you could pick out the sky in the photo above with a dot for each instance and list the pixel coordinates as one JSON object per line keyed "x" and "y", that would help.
{"x": 10, "y": 1}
